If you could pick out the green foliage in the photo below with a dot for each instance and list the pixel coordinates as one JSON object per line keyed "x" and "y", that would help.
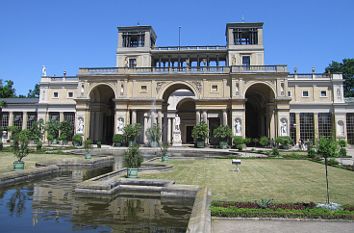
{"x": 88, "y": 144}
{"x": 1, "y": 146}
{"x": 99, "y": 144}
{"x": 311, "y": 153}
{"x": 239, "y": 142}
{"x": 317, "y": 213}
{"x": 342, "y": 143}
{"x": 327, "y": 147}
{"x": 223, "y": 132}
{"x": 284, "y": 141}
{"x": 153, "y": 133}
{"x": 200, "y": 131}
{"x": 133, "y": 157}
{"x": 34, "y": 93}
{"x": 14, "y": 132}
{"x": 36, "y": 130}
{"x": 164, "y": 149}
{"x": 275, "y": 151}
{"x": 332, "y": 162}
{"x": 66, "y": 130}
{"x": 52, "y": 128}
{"x": 264, "y": 141}
{"x": 347, "y": 68}
{"x": 342, "y": 152}
{"x": 118, "y": 139}
{"x": 38, "y": 145}
{"x": 7, "y": 90}
{"x": 132, "y": 131}
{"x": 77, "y": 140}
{"x": 247, "y": 140}
{"x": 20, "y": 144}
{"x": 264, "y": 203}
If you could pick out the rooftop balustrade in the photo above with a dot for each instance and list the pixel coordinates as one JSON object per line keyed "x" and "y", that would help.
{"x": 308, "y": 75}
{"x": 187, "y": 48}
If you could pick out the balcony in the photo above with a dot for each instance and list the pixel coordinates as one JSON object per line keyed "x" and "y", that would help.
{"x": 153, "y": 70}
{"x": 309, "y": 76}
{"x": 189, "y": 48}
{"x": 259, "y": 69}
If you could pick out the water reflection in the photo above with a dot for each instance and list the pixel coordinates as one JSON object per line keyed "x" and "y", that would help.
{"x": 50, "y": 205}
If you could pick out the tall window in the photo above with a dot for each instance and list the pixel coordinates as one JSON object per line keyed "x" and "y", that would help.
{"x": 325, "y": 125}
{"x": 4, "y": 120}
{"x": 32, "y": 117}
{"x": 350, "y": 128}
{"x": 18, "y": 117}
{"x": 293, "y": 127}
{"x": 244, "y": 36}
{"x": 307, "y": 127}
{"x": 246, "y": 60}
{"x": 70, "y": 117}
{"x": 54, "y": 116}
{"x": 132, "y": 62}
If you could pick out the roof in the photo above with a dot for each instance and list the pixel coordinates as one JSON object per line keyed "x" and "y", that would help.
{"x": 20, "y": 100}
{"x": 138, "y": 27}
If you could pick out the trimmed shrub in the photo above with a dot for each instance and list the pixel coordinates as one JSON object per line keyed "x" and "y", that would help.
{"x": 275, "y": 151}
{"x": 118, "y": 140}
{"x": 342, "y": 143}
{"x": 239, "y": 142}
{"x": 342, "y": 152}
{"x": 133, "y": 157}
{"x": 77, "y": 140}
{"x": 264, "y": 141}
{"x": 284, "y": 141}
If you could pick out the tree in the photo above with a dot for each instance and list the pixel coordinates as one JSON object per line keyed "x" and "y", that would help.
{"x": 34, "y": 93}
{"x": 328, "y": 148}
{"x": 347, "y": 68}
{"x": 7, "y": 90}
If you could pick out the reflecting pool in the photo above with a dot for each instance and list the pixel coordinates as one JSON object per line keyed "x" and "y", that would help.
{"x": 50, "y": 205}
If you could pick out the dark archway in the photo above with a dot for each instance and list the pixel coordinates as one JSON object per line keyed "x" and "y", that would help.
{"x": 259, "y": 110}
{"x": 102, "y": 114}
{"x": 186, "y": 111}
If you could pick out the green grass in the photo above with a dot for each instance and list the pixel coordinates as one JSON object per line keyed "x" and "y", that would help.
{"x": 7, "y": 158}
{"x": 280, "y": 180}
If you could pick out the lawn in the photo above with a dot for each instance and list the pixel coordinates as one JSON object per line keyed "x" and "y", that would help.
{"x": 280, "y": 180}
{"x": 7, "y": 158}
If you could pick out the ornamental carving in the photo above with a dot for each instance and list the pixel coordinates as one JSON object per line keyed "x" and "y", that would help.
{"x": 158, "y": 86}
{"x": 198, "y": 85}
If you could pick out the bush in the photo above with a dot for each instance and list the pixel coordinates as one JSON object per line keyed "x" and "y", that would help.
{"x": 133, "y": 157}
{"x": 1, "y": 146}
{"x": 77, "y": 140}
{"x": 118, "y": 139}
{"x": 284, "y": 141}
{"x": 223, "y": 132}
{"x": 20, "y": 144}
{"x": 311, "y": 153}
{"x": 264, "y": 141}
{"x": 66, "y": 130}
{"x": 88, "y": 144}
{"x": 247, "y": 141}
{"x": 200, "y": 131}
{"x": 332, "y": 162}
{"x": 153, "y": 133}
{"x": 38, "y": 145}
{"x": 239, "y": 142}
{"x": 342, "y": 152}
{"x": 99, "y": 144}
{"x": 264, "y": 203}
{"x": 342, "y": 143}
{"x": 52, "y": 128}
{"x": 132, "y": 131}
{"x": 275, "y": 152}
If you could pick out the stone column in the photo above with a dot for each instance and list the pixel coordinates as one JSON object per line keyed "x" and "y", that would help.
{"x": 315, "y": 126}
{"x": 160, "y": 122}
{"x": 297, "y": 129}
{"x": 224, "y": 117}
{"x": 11, "y": 123}
{"x": 133, "y": 116}
{"x": 197, "y": 117}
{"x": 61, "y": 116}
{"x": 24, "y": 120}
{"x": 169, "y": 130}
{"x": 146, "y": 116}
{"x": 205, "y": 116}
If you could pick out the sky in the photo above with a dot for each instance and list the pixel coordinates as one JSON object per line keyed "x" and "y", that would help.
{"x": 68, "y": 34}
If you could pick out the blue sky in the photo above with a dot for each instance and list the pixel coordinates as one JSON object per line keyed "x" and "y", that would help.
{"x": 68, "y": 34}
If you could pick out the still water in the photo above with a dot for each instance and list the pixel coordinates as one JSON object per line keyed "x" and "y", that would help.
{"x": 50, "y": 205}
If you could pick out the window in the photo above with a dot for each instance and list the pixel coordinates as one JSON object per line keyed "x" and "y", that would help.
{"x": 70, "y": 94}
{"x": 323, "y": 93}
{"x": 144, "y": 88}
{"x": 305, "y": 93}
{"x": 246, "y": 60}
{"x": 54, "y": 116}
{"x": 214, "y": 87}
{"x": 293, "y": 127}
{"x": 132, "y": 63}
{"x": 350, "y": 127}
{"x": 18, "y": 118}
{"x": 289, "y": 93}
{"x": 307, "y": 127}
{"x": 133, "y": 39}
{"x": 4, "y": 120}
{"x": 55, "y": 95}
{"x": 325, "y": 125}
{"x": 31, "y": 118}
{"x": 245, "y": 36}
{"x": 70, "y": 117}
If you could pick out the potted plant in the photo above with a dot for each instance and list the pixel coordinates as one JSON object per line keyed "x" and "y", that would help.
{"x": 118, "y": 140}
{"x": 200, "y": 133}
{"x": 153, "y": 134}
{"x": 132, "y": 160}
{"x": 77, "y": 140}
{"x": 131, "y": 132}
{"x": 164, "y": 152}
{"x": 223, "y": 133}
{"x": 87, "y": 146}
{"x": 20, "y": 148}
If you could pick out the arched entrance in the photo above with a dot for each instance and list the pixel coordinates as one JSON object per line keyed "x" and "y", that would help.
{"x": 259, "y": 110}
{"x": 178, "y": 99}
{"x": 102, "y": 114}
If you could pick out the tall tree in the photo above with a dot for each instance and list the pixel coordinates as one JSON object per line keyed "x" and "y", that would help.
{"x": 347, "y": 68}
{"x": 7, "y": 90}
{"x": 34, "y": 93}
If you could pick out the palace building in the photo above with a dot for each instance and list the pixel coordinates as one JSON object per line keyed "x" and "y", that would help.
{"x": 219, "y": 84}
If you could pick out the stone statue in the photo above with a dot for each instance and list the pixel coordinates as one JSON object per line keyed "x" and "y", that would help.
{"x": 177, "y": 123}
{"x": 233, "y": 61}
{"x": 126, "y": 62}
{"x": 4, "y": 137}
{"x": 238, "y": 127}
{"x": 44, "y": 70}
{"x": 80, "y": 125}
{"x": 120, "y": 125}
{"x": 283, "y": 128}
{"x": 82, "y": 89}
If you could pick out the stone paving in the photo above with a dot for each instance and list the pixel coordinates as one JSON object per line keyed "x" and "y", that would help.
{"x": 279, "y": 226}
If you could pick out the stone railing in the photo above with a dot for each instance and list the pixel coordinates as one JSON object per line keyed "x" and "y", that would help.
{"x": 261, "y": 68}
{"x": 309, "y": 76}
{"x": 187, "y": 48}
